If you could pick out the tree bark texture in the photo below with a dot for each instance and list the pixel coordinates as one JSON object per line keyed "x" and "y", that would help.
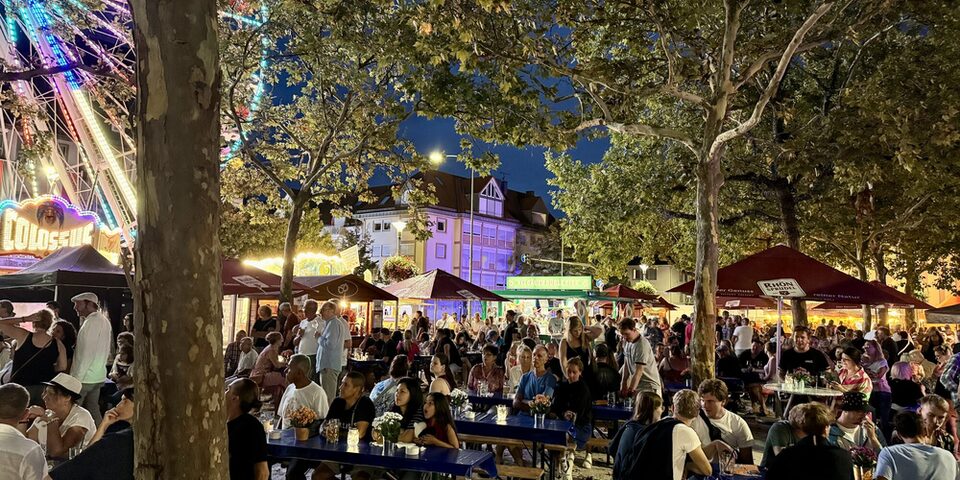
{"x": 867, "y": 311}
{"x": 290, "y": 249}
{"x": 790, "y": 226}
{"x": 912, "y": 280}
{"x": 882, "y": 271}
{"x": 179, "y": 419}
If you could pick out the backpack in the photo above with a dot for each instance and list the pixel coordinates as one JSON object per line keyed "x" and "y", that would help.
{"x": 651, "y": 453}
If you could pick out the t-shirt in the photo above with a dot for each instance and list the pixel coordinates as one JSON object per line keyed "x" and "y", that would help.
{"x": 744, "y": 334}
{"x": 20, "y": 457}
{"x": 531, "y": 385}
{"x": 362, "y": 411}
{"x": 734, "y": 430}
{"x": 685, "y": 440}
{"x": 78, "y": 417}
{"x": 247, "y": 361}
{"x": 905, "y": 393}
{"x": 811, "y": 458}
{"x": 247, "y": 445}
{"x": 308, "y": 335}
{"x": 310, "y": 396}
{"x": 640, "y": 352}
{"x": 111, "y": 458}
{"x": 916, "y": 462}
{"x": 779, "y": 436}
{"x": 813, "y": 361}
{"x": 265, "y": 326}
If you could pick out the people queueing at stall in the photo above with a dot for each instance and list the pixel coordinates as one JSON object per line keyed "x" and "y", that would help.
{"x": 64, "y": 402}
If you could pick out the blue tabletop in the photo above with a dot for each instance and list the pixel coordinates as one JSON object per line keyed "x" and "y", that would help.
{"x": 516, "y": 427}
{"x": 600, "y": 412}
{"x": 433, "y": 459}
{"x": 493, "y": 399}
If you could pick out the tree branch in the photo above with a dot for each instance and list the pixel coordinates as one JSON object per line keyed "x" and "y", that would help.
{"x": 639, "y": 129}
{"x": 774, "y": 83}
{"x": 24, "y": 75}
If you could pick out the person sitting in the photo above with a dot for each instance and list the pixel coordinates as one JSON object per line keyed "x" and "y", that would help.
{"x": 934, "y": 411}
{"x": 351, "y": 408}
{"x": 524, "y": 356}
{"x": 246, "y": 440}
{"x": 384, "y": 392}
{"x": 538, "y": 381}
{"x": 572, "y": 402}
{"x": 668, "y": 447}
{"x": 905, "y": 391}
{"x": 675, "y": 368}
{"x": 487, "y": 372}
{"x": 648, "y": 411}
{"x": 717, "y": 423}
{"x": 813, "y": 456}
{"x": 110, "y": 453}
{"x": 231, "y": 356}
{"x": 408, "y": 402}
{"x": 393, "y": 340}
{"x": 752, "y": 362}
{"x": 64, "y": 424}
{"x": 915, "y": 458}
{"x": 802, "y": 357}
{"x": 782, "y": 434}
{"x": 408, "y": 347}
{"x": 439, "y": 429}
{"x": 267, "y": 371}
{"x": 373, "y": 344}
{"x": 448, "y": 348}
{"x": 853, "y": 428}
{"x": 727, "y": 364}
{"x": 248, "y": 358}
{"x": 853, "y": 378}
{"x": 20, "y": 457}
{"x": 122, "y": 371}
{"x": 302, "y": 391}
{"x": 443, "y": 381}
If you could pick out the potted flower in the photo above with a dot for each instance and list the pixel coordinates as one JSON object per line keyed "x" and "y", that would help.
{"x": 864, "y": 459}
{"x": 302, "y": 419}
{"x": 539, "y": 407}
{"x": 387, "y": 426}
{"x": 458, "y": 400}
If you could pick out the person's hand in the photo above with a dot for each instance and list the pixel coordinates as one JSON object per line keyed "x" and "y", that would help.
{"x": 427, "y": 440}
{"x": 35, "y": 411}
{"x": 835, "y": 386}
{"x": 376, "y": 436}
{"x": 722, "y": 447}
{"x": 110, "y": 417}
{"x": 870, "y": 428}
{"x": 569, "y": 415}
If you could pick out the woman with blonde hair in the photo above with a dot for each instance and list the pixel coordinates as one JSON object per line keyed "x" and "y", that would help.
{"x": 38, "y": 356}
{"x": 576, "y": 343}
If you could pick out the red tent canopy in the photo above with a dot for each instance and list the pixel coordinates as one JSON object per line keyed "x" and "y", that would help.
{"x": 621, "y": 291}
{"x": 906, "y": 301}
{"x": 351, "y": 286}
{"x": 661, "y": 303}
{"x": 818, "y": 281}
{"x": 440, "y": 285}
{"x": 240, "y": 279}
{"x": 745, "y": 303}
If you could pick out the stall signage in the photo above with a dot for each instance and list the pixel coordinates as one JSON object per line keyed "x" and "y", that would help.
{"x": 781, "y": 287}
{"x": 467, "y": 294}
{"x": 43, "y": 225}
{"x": 584, "y": 282}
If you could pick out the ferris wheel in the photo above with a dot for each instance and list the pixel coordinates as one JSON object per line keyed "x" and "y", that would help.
{"x": 68, "y": 132}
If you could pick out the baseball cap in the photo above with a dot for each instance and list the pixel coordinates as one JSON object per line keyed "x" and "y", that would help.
{"x": 87, "y": 296}
{"x": 66, "y": 382}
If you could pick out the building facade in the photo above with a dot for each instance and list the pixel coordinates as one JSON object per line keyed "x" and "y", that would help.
{"x": 663, "y": 276}
{"x": 506, "y": 224}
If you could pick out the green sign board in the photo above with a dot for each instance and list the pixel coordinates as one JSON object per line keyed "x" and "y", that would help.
{"x": 584, "y": 282}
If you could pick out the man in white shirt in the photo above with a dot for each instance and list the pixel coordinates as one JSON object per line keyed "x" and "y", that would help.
{"x": 306, "y": 334}
{"x": 730, "y": 427}
{"x": 302, "y": 392}
{"x": 20, "y": 457}
{"x": 742, "y": 337}
{"x": 92, "y": 351}
{"x": 915, "y": 459}
{"x": 330, "y": 352}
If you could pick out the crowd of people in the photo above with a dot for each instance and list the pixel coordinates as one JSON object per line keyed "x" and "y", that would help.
{"x": 898, "y": 391}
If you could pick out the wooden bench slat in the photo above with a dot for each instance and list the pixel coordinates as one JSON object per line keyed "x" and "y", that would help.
{"x": 514, "y": 471}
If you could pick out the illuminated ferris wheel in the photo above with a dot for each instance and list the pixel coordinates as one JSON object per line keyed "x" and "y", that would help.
{"x": 68, "y": 132}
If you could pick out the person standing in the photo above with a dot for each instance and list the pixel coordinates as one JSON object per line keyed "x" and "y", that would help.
{"x": 639, "y": 372}
{"x": 742, "y": 337}
{"x": 19, "y": 457}
{"x": 332, "y": 342}
{"x": 306, "y": 335}
{"x": 38, "y": 356}
{"x": 287, "y": 321}
{"x": 93, "y": 349}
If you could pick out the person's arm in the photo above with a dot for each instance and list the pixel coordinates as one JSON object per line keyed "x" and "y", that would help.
{"x": 406, "y": 436}
{"x": 109, "y": 419}
{"x": 362, "y": 428}
{"x": 9, "y": 329}
{"x": 58, "y": 446}
{"x": 698, "y": 462}
{"x": 519, "y": 404}
{"x": 61, "y": 357}
{"x": 261, "y": 471}
{"x": 563, "y": 356}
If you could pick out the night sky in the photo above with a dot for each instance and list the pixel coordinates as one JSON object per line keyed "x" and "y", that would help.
{"x": 523, "y": 168}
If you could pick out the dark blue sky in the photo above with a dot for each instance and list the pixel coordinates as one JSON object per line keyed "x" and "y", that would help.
{"x": 523, "y": 168}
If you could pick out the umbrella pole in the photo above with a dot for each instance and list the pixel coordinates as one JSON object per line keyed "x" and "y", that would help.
{"x": 779, "y": 331}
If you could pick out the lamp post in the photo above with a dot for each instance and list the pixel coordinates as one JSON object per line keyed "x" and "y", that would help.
{"x": 399, "y": 225}
{"x": 643, "y": 268}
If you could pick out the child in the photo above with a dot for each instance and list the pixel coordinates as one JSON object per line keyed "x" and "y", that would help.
{"x": 572, "y": 402}
{"x": 439, "y": 430}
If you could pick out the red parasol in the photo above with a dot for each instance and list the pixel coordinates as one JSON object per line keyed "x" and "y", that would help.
{"x": 906, "y": 301}
{"x": 621, "y": 291}
{"x": 745, "y": 303}
{"x": 440, "y": 285}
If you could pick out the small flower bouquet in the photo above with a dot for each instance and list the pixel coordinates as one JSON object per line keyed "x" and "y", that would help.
{"x": 803, "y": 377}
{"x": 540, "y": 405}
{"x": 863, "y": 457}
{"x": 302, "y": 417}
{"x": 388, "y": 426}
{"x": 458, "y": 398}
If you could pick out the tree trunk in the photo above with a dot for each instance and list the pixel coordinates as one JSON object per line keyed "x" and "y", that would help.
{"x": 790, "y": 226}
{"x": 911, "y": 282}
{"x": 179, "y": 418}
{"x": 290, "y": 249}
{"x": 867, "y": 313}
{"x": 882, "y": 270}
{"x": 703, "y": 345}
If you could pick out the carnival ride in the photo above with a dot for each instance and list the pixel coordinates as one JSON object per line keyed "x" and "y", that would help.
{"x": 68, "y": 130}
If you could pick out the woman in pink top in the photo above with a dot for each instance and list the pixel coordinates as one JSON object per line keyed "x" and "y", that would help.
{"x": 852, "y": 376}
{"x": 880, "y": 399}
{"x": 267, "y": 372}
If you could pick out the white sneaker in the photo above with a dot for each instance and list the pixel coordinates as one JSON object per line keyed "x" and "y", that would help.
{"x": 588, "y": 461}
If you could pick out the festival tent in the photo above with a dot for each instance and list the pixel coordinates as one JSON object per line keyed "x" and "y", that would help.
{"x": 906, "y": 301}
{"x": 240, "y": 279}
{"x": 622, "y": 291}
{"x": 350, "y": 286}
{"x": 949, "y": 314}
{"x": 661, "y": 303}
{"x": 440, "y": 285}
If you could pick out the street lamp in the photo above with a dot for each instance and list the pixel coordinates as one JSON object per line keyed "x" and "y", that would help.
{"x": 399, "y": 225}
{"x": 643, "y": 268}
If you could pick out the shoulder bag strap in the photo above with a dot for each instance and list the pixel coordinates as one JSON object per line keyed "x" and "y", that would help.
{"x": 38, "y": 352}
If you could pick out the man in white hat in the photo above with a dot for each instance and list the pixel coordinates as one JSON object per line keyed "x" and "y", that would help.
{"x": 92, "y": 351}
{"x": 19, "y": 457}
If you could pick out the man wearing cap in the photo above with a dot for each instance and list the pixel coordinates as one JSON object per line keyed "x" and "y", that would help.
{"x": 853, "y": 427}
{"x": 20, "y": 457}
{"x": 92, "y": 351}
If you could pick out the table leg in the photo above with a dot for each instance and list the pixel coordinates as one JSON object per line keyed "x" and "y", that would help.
{"x": 788, "y": 407}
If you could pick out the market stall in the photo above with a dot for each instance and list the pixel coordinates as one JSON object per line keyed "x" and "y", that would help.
{"x": 363, "y": 302}
{"x": 435, "y": 293}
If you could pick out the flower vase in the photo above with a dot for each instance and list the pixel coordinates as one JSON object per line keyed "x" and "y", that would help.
{"x": 389, "y": 447}
{"x": 862, "y": 473}
{"x": 538, "y": 419}
{"x": 302, "y": 434}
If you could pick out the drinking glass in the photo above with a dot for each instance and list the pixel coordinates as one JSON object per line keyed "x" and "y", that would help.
{"x": 501, "y": 413}
{"x": 727, "y": 462}
{"x": 611, "y": 398}
{"x": 331, "y": 430}
{"x": 353, "y": 437}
